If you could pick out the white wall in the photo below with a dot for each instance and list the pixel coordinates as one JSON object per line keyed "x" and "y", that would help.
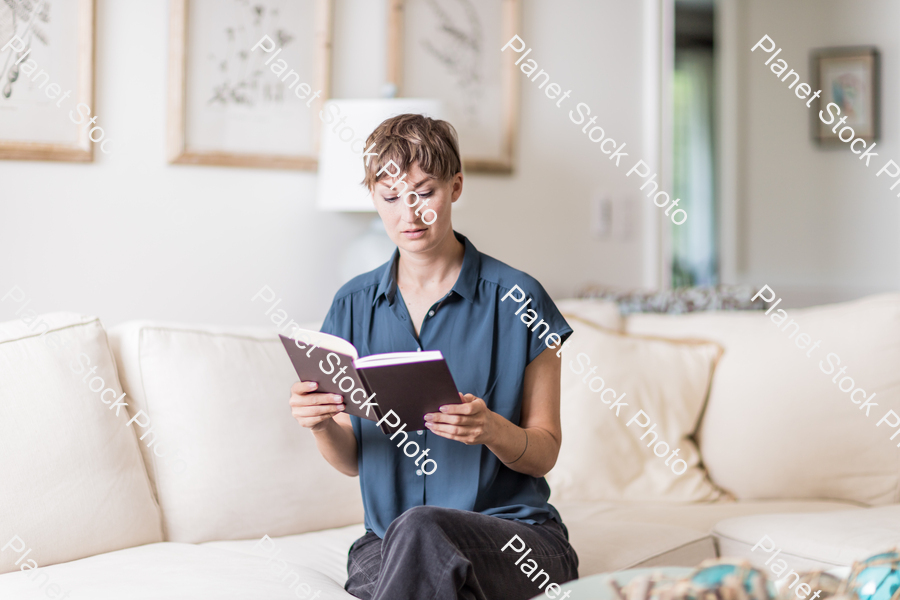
{"x": 813, "y": 223}
{"x": 132, "y": 237}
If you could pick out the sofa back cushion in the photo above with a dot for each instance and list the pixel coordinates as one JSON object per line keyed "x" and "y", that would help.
{"x": 602, "y": 458}
{"x": 72, "y": 482}
{"x": 778, "y": 426}
{"x": 217, "y": 401}
{"x": 602, "y": 313}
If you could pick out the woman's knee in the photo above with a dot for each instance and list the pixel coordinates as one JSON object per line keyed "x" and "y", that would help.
{"x": 419, "y": 519}
{"x": 423, "y": 515}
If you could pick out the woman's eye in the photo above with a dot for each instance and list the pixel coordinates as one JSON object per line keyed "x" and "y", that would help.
{"x": 421, "y": 195}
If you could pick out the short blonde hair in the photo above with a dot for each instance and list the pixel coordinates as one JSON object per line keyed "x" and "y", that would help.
{"x": 414, "y": 139}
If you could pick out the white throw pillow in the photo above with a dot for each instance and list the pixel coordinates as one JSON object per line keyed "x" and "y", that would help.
{"x": 72, "y": 482}
{"x": 778, "y": 426}
{"x": 603, "y": 458}
{"x": 217, "y": 401}
{"x": 604, "y": 313}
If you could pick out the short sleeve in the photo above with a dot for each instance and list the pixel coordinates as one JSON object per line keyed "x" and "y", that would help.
{"x": 547, "y": 328}
{"x": 338, "y": 320}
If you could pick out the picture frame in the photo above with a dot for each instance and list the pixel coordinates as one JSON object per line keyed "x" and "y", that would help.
{"x": 849, "y": 77}
{"x": 46, "y": 75}
{"x": 453, "y": 54}
{"x": 227, "y": 103}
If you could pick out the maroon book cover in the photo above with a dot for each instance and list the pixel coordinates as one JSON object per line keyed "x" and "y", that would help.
{"x": 314, "y": 364}
{"x": 411, "y": 384}
{"x": 411, "y": 390}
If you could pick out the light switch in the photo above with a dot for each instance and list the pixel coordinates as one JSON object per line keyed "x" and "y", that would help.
{"x": 601, "y": 216}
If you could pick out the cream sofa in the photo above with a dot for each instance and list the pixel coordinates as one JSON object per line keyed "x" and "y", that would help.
{"x": 205, "y": 487}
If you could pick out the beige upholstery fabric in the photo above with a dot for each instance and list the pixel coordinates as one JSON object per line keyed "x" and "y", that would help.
{"x": 812, "y": 541}
{"x": 72, "y": 482}
{"x": 218, "y": 400}
{"x": 324, "y": 551}
{"x": 174, "y": 571}
{"x": 776, "y": 424}
{"x": 690, "y": 554}
{"x": 609, "y": 536}
{"x": 599, "y": 312}
{"x": 601, "y": 457}
{"x": 605, "y": 545}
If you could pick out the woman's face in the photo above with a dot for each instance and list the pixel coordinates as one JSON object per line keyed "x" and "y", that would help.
{"x": 411, "y": 231}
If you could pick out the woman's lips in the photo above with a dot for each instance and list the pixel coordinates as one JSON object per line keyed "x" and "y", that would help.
{"x": 414, "y": 233}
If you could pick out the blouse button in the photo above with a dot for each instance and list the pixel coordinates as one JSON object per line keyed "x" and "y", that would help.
{"x": 431, "y": 313}
{"x": 418, "y": 472}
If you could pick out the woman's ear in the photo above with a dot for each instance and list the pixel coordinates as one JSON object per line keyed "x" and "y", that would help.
{"x": 457, "y": 183}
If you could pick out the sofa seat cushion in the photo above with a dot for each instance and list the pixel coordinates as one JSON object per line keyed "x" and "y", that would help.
{"x": 72, "y": 481}
{"x": 173, "y": 571}
{"x": 610, "y": 537}
{"x": 812, "y": 541}
{"x": 323, "y": 551}
{"x": 776, "y": 422}
{"x": 218, "y": 399}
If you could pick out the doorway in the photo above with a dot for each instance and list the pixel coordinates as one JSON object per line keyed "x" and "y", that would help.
{"x": 694, "y": 244}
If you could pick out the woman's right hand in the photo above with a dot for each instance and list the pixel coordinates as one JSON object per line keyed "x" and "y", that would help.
{"x": 312, "y": 409}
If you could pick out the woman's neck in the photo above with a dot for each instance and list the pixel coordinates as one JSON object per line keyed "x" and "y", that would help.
{"x": 439, "y": 266}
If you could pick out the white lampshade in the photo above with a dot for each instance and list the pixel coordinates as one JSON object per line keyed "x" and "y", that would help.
{"x": 340, "y": 154}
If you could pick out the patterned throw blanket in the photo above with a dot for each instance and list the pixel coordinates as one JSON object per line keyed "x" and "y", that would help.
{"x": 680, "y": 300}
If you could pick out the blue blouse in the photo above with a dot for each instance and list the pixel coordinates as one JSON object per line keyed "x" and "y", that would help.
{"x": 487, "y": 347}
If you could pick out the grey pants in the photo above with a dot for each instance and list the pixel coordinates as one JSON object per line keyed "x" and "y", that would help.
{"x": 433, "y": 553}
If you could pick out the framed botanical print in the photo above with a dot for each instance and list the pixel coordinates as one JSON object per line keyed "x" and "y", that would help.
{"x": 850, "y": 79}
{"x": 450, "y": 50}
{"x": 247, "y": 80}
{"x": 47, "y": 80}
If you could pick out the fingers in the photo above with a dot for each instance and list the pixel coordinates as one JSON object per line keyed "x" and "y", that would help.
{"x": 303, "y": 394}
{"x": 317, "y": 410}
{"x": 311, "y": 416}
{"x": 472, "y": 405}
{"x": 311, "y": 408}
{"x": 304, "y": 387}
{"x": 447, "y": 419}
{"x": 453, "y": 432}
{"x": 467, "y": 423}
{"x": 315, "y": 399}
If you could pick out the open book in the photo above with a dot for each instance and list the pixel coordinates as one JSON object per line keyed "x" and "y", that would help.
{"x": 411, "y": 384}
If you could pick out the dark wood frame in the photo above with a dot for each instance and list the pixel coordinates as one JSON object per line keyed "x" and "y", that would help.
{"x": 848, "y": 52}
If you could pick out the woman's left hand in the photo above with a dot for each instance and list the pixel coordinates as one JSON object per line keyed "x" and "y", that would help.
{"x": 470, "y": 422}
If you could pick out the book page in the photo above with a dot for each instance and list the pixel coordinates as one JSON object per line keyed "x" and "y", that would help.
{"x": 397, "y": 358}
{"x": 324, "y": 340}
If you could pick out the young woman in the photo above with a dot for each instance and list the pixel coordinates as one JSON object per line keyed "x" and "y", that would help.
{"x": 441, "y": 535}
